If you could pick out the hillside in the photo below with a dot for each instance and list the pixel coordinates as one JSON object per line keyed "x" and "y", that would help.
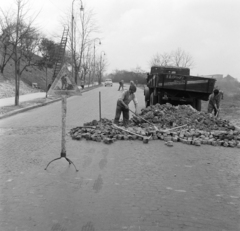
{"x": 7, "y": 88}
{"x": 29, "y": 76}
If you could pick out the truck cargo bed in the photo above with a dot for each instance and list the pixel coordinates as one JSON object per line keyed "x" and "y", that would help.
{"x": 182, "y": 83}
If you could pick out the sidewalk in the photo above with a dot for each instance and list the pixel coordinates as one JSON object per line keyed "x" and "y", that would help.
{"x": 28, "y": 97}
{"x": 22, "y": 98}
{"x": 30, "y": 101}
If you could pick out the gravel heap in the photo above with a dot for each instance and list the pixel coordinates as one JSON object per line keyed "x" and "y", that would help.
{"x": 200, "y": 128}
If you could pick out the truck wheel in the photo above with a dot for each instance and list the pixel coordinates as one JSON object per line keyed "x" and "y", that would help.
{"x": 147, "y": 96}
{"x": 153, "y": 99}
{"x": 198, "y": 104}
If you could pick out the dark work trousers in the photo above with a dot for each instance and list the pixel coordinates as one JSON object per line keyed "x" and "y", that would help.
{"x": 120, "y": 86}
{"x": 121, "y": 109}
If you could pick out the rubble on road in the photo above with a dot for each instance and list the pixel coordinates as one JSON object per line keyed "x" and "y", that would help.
{"x": 175, "y": 124}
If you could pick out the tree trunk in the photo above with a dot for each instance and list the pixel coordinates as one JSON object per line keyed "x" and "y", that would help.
{"x": 17, "y": 83}
{"x": 2, "y": 69}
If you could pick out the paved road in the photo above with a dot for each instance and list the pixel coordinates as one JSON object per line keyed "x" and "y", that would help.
{"x": 23, "y": 98}
{"x": 124, "y": 186}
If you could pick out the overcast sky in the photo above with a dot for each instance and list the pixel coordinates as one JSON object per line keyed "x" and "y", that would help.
{"x": 132, "y": 31}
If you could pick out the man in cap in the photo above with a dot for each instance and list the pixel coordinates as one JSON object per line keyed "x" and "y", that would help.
{"x": 214, "y": 102}
{"x": 123, "y": 102}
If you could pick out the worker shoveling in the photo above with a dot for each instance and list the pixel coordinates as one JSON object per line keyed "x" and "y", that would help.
{"x": 162, "y": 120}
{"x": 174, "y": 124}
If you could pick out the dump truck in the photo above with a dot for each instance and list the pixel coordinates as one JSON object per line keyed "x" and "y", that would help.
{"x": 175, "y": 85}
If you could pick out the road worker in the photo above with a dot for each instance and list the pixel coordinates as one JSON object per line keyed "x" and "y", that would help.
{"x": 214, "y": 102}
{"x": 123, "y": 102}
{"x": 64, "y": 82}
{"x": 121, "y": 85}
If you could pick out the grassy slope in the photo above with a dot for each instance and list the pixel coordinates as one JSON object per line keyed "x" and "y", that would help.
{"x": 31, "y": 75}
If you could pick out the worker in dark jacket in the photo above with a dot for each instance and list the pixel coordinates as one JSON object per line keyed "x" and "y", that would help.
{"x": 123, "y": 102}
{"x": 214, "y": 102}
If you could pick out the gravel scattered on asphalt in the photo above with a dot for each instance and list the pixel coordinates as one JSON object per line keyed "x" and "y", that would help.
{"x": 174, "y": 124}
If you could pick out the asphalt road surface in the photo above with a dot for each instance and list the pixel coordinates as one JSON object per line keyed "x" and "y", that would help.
{"x": 127, "y": 185}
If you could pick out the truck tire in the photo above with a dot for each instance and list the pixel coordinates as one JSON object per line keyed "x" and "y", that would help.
{"x": 198, "y": 104}
{"x": 153, "y": 99}
{"x": 147, "y": 97}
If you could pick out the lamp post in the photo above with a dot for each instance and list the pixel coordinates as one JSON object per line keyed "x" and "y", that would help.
{"x": 100, "y": 80}
{"x": 73, "y": 54}
{"x": 94, "y": 62}
{"x": 46, "y": 67}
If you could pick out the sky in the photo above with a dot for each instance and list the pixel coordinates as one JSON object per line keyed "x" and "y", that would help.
{"x": 133, "y": 31}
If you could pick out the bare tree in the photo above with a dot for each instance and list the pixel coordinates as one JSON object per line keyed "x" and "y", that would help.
{"x": 156, "y": 60}
{"x": 7, "y": 28}
{"x": 181, "y": 59}
{"x": 101, "y": 65}
{"x": 88, "y": 28}
{"x": 84, "y": 27}
{"x": 161, "y": 60}
{"x": 178, "y": 58}
{"x": 87, "y": 62}
{"x": 25, "y": 41}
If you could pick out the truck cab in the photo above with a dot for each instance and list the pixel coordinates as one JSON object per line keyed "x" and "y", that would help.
{"x": 175, "y": 85}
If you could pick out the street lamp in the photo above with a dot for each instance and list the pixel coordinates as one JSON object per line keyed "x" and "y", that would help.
{"x": 81, "y": 9}
{"x": 100, "y": 69}
{"x": 94, "y": 56}
{"x": 46, "y": 67}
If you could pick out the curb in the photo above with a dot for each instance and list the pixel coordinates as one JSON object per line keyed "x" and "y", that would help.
{"x": 39, "y": 105}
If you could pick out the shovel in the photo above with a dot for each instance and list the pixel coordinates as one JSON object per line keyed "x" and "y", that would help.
{"x": 155, "y": 127}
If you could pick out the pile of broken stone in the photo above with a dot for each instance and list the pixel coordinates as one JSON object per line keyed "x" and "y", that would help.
{"x": 167, "y": 123}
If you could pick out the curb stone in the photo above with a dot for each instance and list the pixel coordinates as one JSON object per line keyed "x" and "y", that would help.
{"x": 38, "y": 105}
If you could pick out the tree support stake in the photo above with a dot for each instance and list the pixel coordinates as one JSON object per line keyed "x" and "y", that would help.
{"x": 63, "y": 152}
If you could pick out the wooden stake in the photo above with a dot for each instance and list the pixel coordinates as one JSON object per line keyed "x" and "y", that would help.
{"x": 64, "y": 112}
{"x": 100, "y": 117}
